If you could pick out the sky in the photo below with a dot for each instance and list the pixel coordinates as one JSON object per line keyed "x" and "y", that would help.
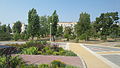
{"x": 68, "y": 10}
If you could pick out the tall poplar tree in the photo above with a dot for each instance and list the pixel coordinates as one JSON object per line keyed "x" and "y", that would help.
{"x": 54, "y": 22}
{"x": 33, "y": 23}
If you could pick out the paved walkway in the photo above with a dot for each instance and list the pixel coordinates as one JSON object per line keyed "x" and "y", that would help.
{"x": 47, "y": 59}
{"x": 91, "y": 60}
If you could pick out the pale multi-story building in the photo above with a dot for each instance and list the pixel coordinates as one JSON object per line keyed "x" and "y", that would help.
{"x": 66, "y": 24}
{"x": 23, "y": 27}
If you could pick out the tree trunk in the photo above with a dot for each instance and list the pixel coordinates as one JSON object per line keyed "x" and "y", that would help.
{"x": 53, "y": 38}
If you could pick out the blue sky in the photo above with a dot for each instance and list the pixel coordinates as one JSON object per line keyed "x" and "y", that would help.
{"x": 68, "y": 10}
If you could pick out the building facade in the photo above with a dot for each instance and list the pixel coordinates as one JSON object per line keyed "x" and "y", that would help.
{"x": 67, "y": 24}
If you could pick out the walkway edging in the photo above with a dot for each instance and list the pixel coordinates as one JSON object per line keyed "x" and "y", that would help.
{"x": 83, "y": 62}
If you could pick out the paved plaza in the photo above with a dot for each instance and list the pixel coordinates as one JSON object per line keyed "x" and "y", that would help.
{"x": 110, "y": 53}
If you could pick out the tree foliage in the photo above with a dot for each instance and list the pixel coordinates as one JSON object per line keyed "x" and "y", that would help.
{"x": 59, "y": 31}
{"x": 45, "y": 25}
{"x": 33, "y": 23}
{"x": 83, "y": 26}
{"x": 3, "y": 28}
{"x": 8, "y": 29}
{"x": 17, "y": 27}
{"x": 4, "y": 34}
{"x": 54, "y": 22}
{"x": 106, "y": 24}
{"x": 68, "y": 33}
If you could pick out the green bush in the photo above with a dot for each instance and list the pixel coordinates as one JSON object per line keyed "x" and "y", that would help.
{"x": 28, "y": 66}
{"x": 69, "y": 66}
{"x": 24, "y": 36}
{"x": 36, "y": 43}
{"x": 10, "y": 61}
{"x": 70, "y": 53}
{"x": 30, "y": 50}
{"x": 5, "y": 36}
{"x": 83, "y": 37}
{"x": 56, "y": 53}
{"x": 57, "y": 63}
{"x": 16, "y": 36}
{"x": 37, "y": 47}
{"x": 43, "y": 66}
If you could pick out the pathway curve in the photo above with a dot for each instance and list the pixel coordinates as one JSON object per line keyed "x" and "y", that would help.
{"x": 91, "y": 60}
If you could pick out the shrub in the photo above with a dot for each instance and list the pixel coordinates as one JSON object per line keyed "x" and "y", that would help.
{"x": 10, "y": 61}
{"x": 38, "y": 44}
{"x": 16, "y": 36}
{"x": 24, "y": 36}
{"x": 55, "y": 53}
{"x": 2, "y": 62}
{"x": 30, "y": 50}
{"x": 8, "y": 51}
{"x": 28, "y": 66}
{"x": 70, "y": 53}
{"x": 69, "y": 66}
{"x": 43, "y": 66}
{"x": 5, "y": 36}
{"x": 57, "y": 63}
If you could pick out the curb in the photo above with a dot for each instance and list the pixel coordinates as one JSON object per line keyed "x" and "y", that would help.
{"x": 83, "y": 62}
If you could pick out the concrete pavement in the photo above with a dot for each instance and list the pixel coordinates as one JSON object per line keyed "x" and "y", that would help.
{"x": 112, "y": 54}
{"x": 91, "y": 60}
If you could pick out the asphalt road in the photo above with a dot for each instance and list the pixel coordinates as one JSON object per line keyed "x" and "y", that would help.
{"x": 113, "y": 57}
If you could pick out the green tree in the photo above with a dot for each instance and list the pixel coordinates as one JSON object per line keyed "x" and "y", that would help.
{"x": 59, "y": 31}
{"x": 17, "y": 27}
{"x": 3, "y": 28}
{"x": 44, "y": 25}
{"x": 94, "y": 31}
{"x": 33, "y": 23}
{"x": 105, "y": 24}
{"x": 67, "y": 32}
{"x": 83, "y": 26}
{"x": 115, "y": 31}
{"x": 54, "y": 22}
{"x": 8, "y": 29}
{"x": 3, "y": 33}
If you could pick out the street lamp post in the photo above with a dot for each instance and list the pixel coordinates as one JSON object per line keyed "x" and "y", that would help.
{"x": 50, "y": 33}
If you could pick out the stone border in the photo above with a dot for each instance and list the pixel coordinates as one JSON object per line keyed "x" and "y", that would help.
{"x": 100, "y": 57}
{"x": 83, "y": 62}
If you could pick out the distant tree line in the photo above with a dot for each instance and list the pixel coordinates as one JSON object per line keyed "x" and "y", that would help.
{"x": 105, "y": 26}
{"x": 5, "y": 32}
